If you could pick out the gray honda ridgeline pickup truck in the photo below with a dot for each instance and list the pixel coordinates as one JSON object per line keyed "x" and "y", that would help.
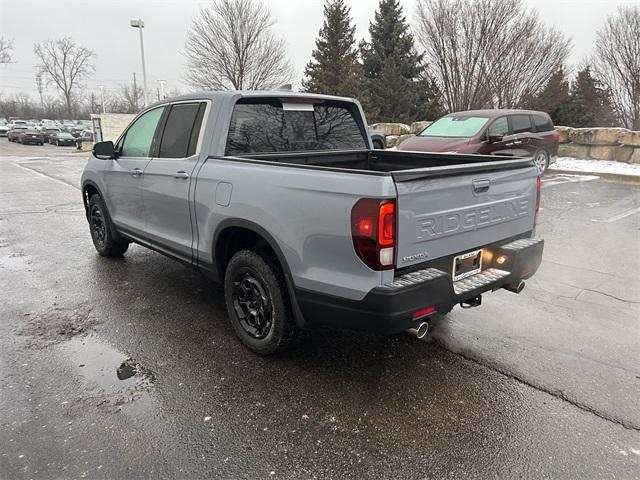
{"x": 281, "y": 197}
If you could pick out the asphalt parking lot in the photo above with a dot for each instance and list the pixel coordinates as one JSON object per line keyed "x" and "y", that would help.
{"x": 129, "y": 368}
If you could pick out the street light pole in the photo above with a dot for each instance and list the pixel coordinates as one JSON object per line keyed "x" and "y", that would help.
{"x": 162, "y": 82}
{"x": 102, "y": 97}
{"x": 139, "y": 24}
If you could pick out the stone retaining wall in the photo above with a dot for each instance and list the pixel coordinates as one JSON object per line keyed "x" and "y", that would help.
{"x": 617, "y": 144}
{"x": 396, "y": 133}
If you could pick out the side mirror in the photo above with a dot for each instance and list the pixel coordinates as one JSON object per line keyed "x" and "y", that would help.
{"x": 495, "y": 138}
{"x": 104, "y": 150}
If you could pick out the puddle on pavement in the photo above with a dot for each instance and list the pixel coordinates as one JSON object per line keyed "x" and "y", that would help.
{"x": 112, "y": 377}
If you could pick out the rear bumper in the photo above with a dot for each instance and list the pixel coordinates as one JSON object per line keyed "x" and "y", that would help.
{"x": 389, "y": 309}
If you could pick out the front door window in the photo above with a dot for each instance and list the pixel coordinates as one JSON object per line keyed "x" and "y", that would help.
{"x": 139, "y": 137}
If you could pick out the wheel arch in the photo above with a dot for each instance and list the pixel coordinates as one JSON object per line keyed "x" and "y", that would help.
{"x": 235, "y": 234}
{"x": 89, "y": 188}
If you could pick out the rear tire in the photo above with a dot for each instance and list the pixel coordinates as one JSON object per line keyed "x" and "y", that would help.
{"x": 106, "y": 239}
{"x": 258, "y": 303}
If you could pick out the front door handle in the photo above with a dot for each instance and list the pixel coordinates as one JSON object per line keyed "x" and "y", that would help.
{"x": 181, "y": 174}
{"x": 136, "y": 172}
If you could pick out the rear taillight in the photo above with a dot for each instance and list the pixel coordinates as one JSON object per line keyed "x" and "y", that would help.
{"x": 373, "y": 228}
{"x": 556, "y": 135}
{"x": 538, "y": 192}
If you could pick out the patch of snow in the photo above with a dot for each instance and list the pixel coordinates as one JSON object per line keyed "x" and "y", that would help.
{"x": 595, "y": 166}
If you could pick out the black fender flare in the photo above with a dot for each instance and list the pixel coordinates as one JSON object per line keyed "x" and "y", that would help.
{"x": 268, "y": 238}
{"x": 85, "y": 201}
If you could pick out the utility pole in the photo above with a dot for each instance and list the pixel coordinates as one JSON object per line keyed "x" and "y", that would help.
{"x": 40, "y": 88}
{"x": 102, "y": 97}
{"x": 162, "y": 82}
{"x": 135, "y": 92}
{"x": 139, "y": 24}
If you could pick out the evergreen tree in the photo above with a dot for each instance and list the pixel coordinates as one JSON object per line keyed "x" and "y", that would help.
{"x": 554, "y": 99}
{"x": 395, "y": 87}
{"x": 334, "y": 68}
{"x": 590, "y": 103}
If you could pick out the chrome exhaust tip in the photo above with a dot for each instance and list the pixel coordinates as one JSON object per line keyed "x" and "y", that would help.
{"x": 420, "y": 331}
{"x": 517, "y": 289}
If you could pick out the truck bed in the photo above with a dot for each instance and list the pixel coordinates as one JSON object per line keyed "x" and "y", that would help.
{"x": 447, "y": 203}
{"x": 402, "y": 165}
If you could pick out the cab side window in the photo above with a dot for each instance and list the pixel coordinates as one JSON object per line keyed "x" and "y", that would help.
{"x": 181, "y": 131}
{"x": 500, "y": 126}
{"x": 139, "y": 137}
{"x": 521, "y": 123}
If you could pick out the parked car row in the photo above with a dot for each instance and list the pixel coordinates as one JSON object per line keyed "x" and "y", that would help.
{"x": 25, "y": 132}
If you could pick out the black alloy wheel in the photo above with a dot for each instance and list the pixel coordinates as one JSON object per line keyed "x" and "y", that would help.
{"x": 98, "y": 226}
{"x": 252, "y": 303}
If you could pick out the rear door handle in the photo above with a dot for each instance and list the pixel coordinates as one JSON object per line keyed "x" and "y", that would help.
{"x": 136, "y": 172}
{"x": 181, "y": 174}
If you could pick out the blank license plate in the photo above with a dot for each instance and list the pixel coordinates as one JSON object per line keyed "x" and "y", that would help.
{"x": 467, "y": 264}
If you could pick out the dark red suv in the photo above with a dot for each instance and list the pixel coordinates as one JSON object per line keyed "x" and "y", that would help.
{"x": 520, "y": 133}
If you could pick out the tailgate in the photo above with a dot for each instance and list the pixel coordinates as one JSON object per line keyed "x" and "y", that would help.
{"x": 452, "y": 213}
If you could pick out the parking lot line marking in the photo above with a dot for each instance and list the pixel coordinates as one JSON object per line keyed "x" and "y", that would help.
{"x": 619, "y": 216}
{"x": 33, "y": 170}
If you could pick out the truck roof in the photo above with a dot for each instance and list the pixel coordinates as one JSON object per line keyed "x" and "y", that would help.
{"x": 235, "y": 94}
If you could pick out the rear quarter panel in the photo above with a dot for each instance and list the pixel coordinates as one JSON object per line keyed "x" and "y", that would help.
{"x": 307, "y": 212}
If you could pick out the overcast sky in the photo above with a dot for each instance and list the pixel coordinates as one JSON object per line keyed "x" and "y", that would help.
{"x": 103, "y": 26}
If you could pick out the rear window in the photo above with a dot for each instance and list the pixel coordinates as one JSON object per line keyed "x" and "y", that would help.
{"x": 455, "y": 126}
{"x": 520, "y": 123}
{"x": 543, "y": 123}
{"x": 265, "y": 125}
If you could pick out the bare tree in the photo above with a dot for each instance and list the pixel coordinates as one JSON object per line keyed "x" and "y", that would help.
{"x": 6, "y": 46}
{"x": 131, "y": 97}
{"x": 231, "y": 45}
{"x": 616, "y": 62}
{"x": 64, "y": 64}
{"x": 487, "y": 52}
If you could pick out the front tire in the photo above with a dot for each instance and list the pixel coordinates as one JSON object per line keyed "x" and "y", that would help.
{"x": 107, "y": 241}
{"x": 258, "y": 304}
{"x": 541, "y": 159}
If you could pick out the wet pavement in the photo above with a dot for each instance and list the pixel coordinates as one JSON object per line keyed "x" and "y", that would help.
{"x": 129, "y": 367}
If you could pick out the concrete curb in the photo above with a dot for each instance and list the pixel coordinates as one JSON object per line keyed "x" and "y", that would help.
{"x": 614, "y": 177}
